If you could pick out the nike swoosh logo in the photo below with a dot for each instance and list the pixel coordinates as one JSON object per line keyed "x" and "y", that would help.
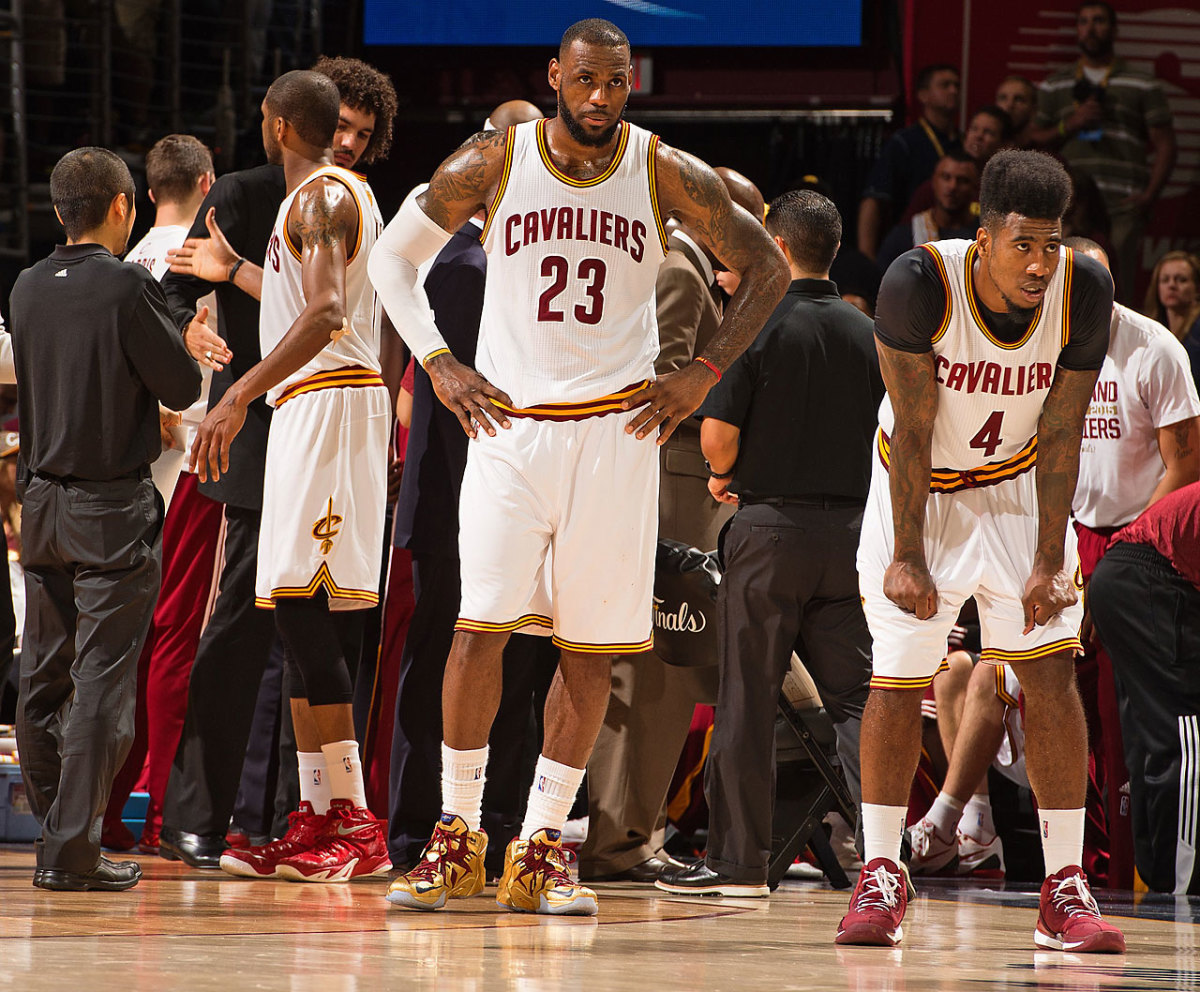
{"x": 344, "y": 832}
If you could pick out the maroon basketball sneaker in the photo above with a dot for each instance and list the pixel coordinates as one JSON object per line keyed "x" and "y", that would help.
{"x": 876, "y": 907}
{"x": 303, "y": 832}
{"x": 1069, "y": 919}
{"x": 352, "y": 845}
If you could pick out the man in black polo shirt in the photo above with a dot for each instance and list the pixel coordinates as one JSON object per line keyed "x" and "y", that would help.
{"x": 96, "y": 352}
{"x": 788, "y": 430}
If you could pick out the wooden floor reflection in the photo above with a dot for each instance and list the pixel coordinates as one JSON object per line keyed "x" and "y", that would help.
{"x": 183, "y": 929}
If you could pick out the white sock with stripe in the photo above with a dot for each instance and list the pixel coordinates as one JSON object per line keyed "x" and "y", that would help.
{"x": 551, "y": 796}
{"x": 463, "y": 779}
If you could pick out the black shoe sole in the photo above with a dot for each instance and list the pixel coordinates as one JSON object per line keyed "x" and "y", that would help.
{"x": 66, "y": 881}
{"x": 171, "y": 853}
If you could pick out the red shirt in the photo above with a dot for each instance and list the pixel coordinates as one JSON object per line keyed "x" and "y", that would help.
{"x": 1172, "y": 527}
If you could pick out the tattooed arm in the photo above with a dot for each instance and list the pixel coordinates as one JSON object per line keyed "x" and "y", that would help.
{"x": 1060, "y": 430}
{"x": 324, "y": 221}
{"x": 463, "y": 184}
{"x": 1179, "y": 447}
{"x": 695, "y": 194}
{"x": 912, "y": 387}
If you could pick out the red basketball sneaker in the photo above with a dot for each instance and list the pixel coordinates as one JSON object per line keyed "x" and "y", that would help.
{"x": 352, "y": 845}
{"x": 876, "y": 907}
{"x": 303, "y": 832}
{"x": 1069, "y": 919}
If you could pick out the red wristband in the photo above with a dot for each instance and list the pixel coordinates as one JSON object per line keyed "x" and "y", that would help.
{"x": 711, "y": 368}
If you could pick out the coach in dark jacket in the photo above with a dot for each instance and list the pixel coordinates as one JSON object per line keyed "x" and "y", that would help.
{"x": 96, "y": 352}
{"x": 236, "y": 643}
{"x": 788, "y": 430}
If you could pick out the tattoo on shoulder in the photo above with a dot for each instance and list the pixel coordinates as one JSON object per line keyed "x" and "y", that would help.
{"x": 1183, "y": 437}
{"x": 319, "y": 221}
{"x": 463, "y": 178}
{"x": 485, "y": 139}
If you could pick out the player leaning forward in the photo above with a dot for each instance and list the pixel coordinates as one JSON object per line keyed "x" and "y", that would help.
{"x": 559, "y": 506}
{"x": 990, "y": 350}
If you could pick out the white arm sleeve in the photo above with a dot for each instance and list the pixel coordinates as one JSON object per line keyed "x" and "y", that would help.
{"x": 405, "y": 243}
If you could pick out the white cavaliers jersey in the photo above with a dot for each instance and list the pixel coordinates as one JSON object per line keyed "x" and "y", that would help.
{"x": 283, "y": 291}
{"x": 989, "y": 393}
{"x": 569, "y": 307}
{"x": 151, "y": 251}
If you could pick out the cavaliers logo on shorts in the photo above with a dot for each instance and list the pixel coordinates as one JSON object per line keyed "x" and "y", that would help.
{"x": 326, "y": 528}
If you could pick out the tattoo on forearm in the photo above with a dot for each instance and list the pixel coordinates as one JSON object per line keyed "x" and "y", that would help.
{"x": 912, "y": 386}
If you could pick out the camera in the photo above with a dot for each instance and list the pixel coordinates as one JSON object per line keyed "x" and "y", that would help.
{"x": 1086, "y": 90}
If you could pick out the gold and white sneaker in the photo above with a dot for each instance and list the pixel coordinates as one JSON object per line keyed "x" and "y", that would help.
{"x": 451, "y": 867}
{"x": 537, "y": 879}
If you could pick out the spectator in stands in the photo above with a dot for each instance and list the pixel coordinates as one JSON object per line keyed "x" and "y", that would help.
{"x": 1017, "y": 97}
{"x": 910, "y": 156}
{"x": 987, "y": 132}
{"x": 1087, "y": 216}
{"x": 1145, "y": 602}
{"x": 1173, "y": 298}
{"x": 1100, "y": 115}
{"x": 955, "y": 189}
{"x": 789, "y": 430}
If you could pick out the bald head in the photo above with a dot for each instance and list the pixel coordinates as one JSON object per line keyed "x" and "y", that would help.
{"x": 742, "y": 191}
{"x": 513, "y": 112}
{"x": 1086, "y": 246}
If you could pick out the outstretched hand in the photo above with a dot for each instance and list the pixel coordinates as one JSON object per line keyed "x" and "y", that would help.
{"x": 669, "y": 401}
{"x": 468, "y": 395}
{"x": 205, "y": 258}
{"x": 204, "y": 344}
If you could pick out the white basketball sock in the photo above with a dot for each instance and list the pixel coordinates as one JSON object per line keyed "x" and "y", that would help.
{"x": 551, "y": 796}
{"x": 883, "y": 826}
{"x": 314, "y": 783}
{"x": 977, "y": 820}
{"x": 343, "y": 770}
{"x": 463, "y": 778}
{"x": 944, "y": 814}
{"x": 1062, "y": 838}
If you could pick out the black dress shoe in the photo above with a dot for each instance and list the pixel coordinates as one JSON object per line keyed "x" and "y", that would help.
{"x": 107, "y": 876}
{"x": 646, "y": 872}
{"x": 700, "y": 880}
{"x": 194, "y": 850}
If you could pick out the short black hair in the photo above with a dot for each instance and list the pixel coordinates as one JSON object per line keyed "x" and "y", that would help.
{"x": 1108, "y": 9}
{"x": 809, "y": 225}
{"x": 1032, "y": 184}
{"x": 174, "y": 166}
{"x": 83, "y": 185}
{"x": 956, "y": 154}
{"x": 309, "y": 102}
{"x": 925, "y": 75}
{"x": 593, "y": 31}
{"x": 364, "y": 88}
{"x": 1017, "y": 77}
{"x": 998, "y": 114}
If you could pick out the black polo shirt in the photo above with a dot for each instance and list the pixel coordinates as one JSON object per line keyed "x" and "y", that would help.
{"x": 805, "y": 396}
{"x": 96, "y": 352}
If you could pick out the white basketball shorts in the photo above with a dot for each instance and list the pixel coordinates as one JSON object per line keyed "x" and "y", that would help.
{"x": 978, "y": 542}
{"x": 325, "y": 491}
{"x": 558, "y": 522}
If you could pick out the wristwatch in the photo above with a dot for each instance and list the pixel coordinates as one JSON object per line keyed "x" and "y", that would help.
{"x": 719, "y": 475}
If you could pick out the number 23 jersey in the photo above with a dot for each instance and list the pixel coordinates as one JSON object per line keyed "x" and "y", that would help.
{"x": 568, "y": 307}
{"x": 993, "y": 371}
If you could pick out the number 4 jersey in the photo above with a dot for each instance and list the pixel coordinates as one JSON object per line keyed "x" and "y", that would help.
{"x": 569, "y": 308}
{"x": 993, "y": 371}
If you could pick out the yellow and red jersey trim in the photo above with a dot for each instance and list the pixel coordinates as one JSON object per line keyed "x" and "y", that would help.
{"x": 950, "y": 480}
{"x": 491, "y": 210}
{"x": 652, "y": 173}
{"x": 484, "y": 627}
{"x": 969, "y": 262}
{"x": 1069, "y": 262}
{"x": 585, "y": 648}
{"x": 576, "y": 411}
{"x": 350, "y": 376}
{"x": 941, "y": 267}
{"x": 1001, "y": 693}
{"x": 562, "y": 177}
{"x": 999, "y": 656}
{"x": 322, "y": 579}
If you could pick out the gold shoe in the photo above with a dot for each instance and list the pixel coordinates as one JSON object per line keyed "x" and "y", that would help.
{"x": 451, "y": 867}
{"x": 536, "y": 879}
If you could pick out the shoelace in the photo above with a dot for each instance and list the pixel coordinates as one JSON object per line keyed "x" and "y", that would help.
{"x": 291, "y": 836}
{"x": 1073, "y": 897}
{"x": 442, "y": 847}
{"x": 922, "y": 838}
{"x": 880, "y": 890}
{"x": 551, "y": 861}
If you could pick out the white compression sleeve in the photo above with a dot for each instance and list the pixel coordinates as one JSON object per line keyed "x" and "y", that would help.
{"x": 405, "y": 243}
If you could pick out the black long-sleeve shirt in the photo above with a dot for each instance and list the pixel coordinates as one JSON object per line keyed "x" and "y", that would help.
{"x": 247, "y": 203}
{"x": 96, "y": 351}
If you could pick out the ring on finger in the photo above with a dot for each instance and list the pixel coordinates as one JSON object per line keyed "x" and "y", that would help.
{"x": 208, "y": 355}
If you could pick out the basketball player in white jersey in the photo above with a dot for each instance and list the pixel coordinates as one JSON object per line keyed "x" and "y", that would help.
{"x": 324, "y": 488}
{"x": 990, "y": 350}
{"x": 559, "y": 501}
{"x": 179, "y": 173}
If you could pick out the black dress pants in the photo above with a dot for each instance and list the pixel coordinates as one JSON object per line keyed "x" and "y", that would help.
{"x": 1148, "y": 617}
{"x": 790, "y": 584}
{"x": 92, "y": 559}
{"x": 415, "y": 786}
{"x": 224, "y": 686}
